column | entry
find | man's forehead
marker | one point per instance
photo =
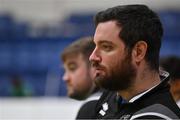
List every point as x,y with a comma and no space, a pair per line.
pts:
73,57
107,31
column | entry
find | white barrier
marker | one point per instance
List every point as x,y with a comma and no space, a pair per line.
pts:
38,108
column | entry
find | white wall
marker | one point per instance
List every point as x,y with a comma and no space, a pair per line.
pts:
38,108
44,11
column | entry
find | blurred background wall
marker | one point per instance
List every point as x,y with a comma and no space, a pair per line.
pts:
34,32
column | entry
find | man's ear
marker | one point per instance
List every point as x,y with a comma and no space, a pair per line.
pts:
139,51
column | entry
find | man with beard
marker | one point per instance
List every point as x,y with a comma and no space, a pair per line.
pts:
78,74
126,62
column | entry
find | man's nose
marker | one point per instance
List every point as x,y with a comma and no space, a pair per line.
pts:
94,56
65,77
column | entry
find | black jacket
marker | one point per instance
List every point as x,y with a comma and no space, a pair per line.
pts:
154,104
87,111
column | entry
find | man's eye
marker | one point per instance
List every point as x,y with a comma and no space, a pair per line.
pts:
72,67
106,47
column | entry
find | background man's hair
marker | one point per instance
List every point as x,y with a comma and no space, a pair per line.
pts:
84,46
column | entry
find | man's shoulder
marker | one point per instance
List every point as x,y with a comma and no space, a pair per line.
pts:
89,104
87,110
156,111
145,108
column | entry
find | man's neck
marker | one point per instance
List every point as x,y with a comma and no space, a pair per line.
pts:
142,82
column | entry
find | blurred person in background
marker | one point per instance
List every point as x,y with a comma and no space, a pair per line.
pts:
18,88
126,62
172,65
79,73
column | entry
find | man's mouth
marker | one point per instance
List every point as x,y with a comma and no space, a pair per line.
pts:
99,72
98,67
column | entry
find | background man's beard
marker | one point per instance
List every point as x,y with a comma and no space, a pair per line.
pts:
78,95
121,77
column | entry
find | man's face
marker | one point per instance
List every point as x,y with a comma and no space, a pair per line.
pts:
77,77
112,62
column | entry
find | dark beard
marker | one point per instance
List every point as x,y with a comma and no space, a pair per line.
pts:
82,94
121,77
77,96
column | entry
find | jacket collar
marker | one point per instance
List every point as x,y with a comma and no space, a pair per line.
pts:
164,76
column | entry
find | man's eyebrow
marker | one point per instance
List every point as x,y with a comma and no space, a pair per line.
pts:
71,62
105,41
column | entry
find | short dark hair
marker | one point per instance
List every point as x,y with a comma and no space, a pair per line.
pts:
84,46
172,65
138,23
